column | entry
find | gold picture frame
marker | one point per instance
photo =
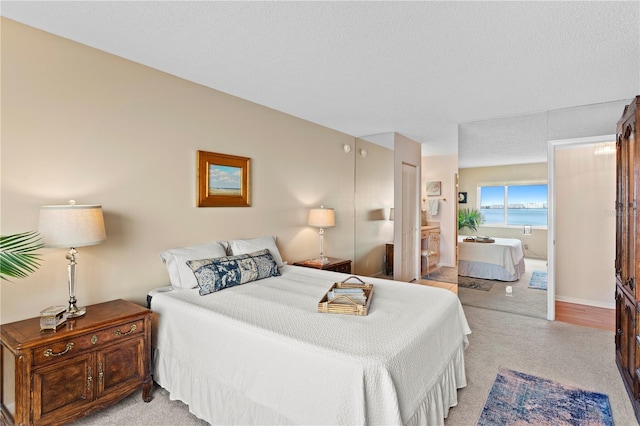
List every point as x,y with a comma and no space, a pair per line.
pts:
223,180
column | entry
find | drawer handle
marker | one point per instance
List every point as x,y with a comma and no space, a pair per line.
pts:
126,333
49,352
100,373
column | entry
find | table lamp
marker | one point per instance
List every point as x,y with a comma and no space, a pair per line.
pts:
72,226
322,218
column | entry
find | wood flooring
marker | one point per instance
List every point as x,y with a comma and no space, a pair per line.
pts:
588,316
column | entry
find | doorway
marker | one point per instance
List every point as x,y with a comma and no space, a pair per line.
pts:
581,222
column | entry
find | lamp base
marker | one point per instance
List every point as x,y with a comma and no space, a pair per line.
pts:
74,311
321,259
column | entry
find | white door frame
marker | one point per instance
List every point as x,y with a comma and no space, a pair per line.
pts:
551,209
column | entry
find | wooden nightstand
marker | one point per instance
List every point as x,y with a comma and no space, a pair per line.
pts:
90,362
335,264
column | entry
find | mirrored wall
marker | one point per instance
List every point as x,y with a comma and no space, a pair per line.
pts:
374,220
374,197
513,151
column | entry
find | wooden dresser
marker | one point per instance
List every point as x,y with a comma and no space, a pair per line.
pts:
627,263
90,362
425,231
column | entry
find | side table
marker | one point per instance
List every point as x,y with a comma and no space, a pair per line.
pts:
334,264
89,362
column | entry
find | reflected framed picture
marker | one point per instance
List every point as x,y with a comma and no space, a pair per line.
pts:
223,180
462,197
433,187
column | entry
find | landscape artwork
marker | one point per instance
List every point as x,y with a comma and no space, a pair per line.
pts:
223,180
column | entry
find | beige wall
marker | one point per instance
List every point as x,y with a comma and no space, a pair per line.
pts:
373,199
585,226
471,178
81,124
443,168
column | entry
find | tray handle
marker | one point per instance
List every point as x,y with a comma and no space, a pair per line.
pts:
352,276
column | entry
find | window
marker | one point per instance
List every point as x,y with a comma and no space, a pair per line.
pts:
524,205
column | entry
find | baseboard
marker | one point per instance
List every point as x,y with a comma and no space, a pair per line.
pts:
585,315
596,303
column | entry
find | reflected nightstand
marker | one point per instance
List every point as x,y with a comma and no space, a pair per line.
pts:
335,264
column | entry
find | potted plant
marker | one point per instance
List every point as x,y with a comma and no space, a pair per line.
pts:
18,257
469,218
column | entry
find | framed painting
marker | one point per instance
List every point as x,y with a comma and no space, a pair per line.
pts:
433,187
223,180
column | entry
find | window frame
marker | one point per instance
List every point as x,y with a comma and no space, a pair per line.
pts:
506,186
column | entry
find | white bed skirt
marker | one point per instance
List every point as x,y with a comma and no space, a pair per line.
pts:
490,271
217,403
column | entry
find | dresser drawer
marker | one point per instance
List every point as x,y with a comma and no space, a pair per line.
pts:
345,268
66,348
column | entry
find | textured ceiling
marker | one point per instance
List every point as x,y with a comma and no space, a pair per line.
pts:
365,68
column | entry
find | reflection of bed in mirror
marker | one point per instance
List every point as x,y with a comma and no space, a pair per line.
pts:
501,260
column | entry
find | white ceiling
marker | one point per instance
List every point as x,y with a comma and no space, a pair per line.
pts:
365,68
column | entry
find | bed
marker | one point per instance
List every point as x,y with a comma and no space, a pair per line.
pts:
501,260
260,353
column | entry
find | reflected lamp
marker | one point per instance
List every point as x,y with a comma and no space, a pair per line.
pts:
322,218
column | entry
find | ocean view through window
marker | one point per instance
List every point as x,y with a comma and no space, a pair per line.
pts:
524,205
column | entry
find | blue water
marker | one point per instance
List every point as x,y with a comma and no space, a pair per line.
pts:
534,217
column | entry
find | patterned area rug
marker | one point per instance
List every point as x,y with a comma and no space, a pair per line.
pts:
520,399
475,283
538,280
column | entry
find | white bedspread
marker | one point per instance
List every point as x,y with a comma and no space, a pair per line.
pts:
260,353
505,252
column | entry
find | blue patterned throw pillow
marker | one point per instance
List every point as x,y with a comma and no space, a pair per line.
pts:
224,272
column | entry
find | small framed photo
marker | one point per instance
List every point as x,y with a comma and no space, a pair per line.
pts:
223,180
462,197
433,187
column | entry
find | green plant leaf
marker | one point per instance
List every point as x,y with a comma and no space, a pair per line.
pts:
469,218
18,257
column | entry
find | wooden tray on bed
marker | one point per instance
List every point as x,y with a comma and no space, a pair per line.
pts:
348,307
479,240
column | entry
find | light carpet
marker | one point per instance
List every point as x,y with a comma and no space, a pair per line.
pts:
577,356
538,280
523,399
522,299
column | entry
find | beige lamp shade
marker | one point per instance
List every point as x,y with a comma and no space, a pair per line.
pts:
322,218
71,225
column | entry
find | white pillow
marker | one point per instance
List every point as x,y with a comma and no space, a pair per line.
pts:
180,275
256,244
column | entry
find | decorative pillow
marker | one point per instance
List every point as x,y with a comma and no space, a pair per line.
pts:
180,275
217,274
252,245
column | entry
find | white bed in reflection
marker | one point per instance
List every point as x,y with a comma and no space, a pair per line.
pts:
501,260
